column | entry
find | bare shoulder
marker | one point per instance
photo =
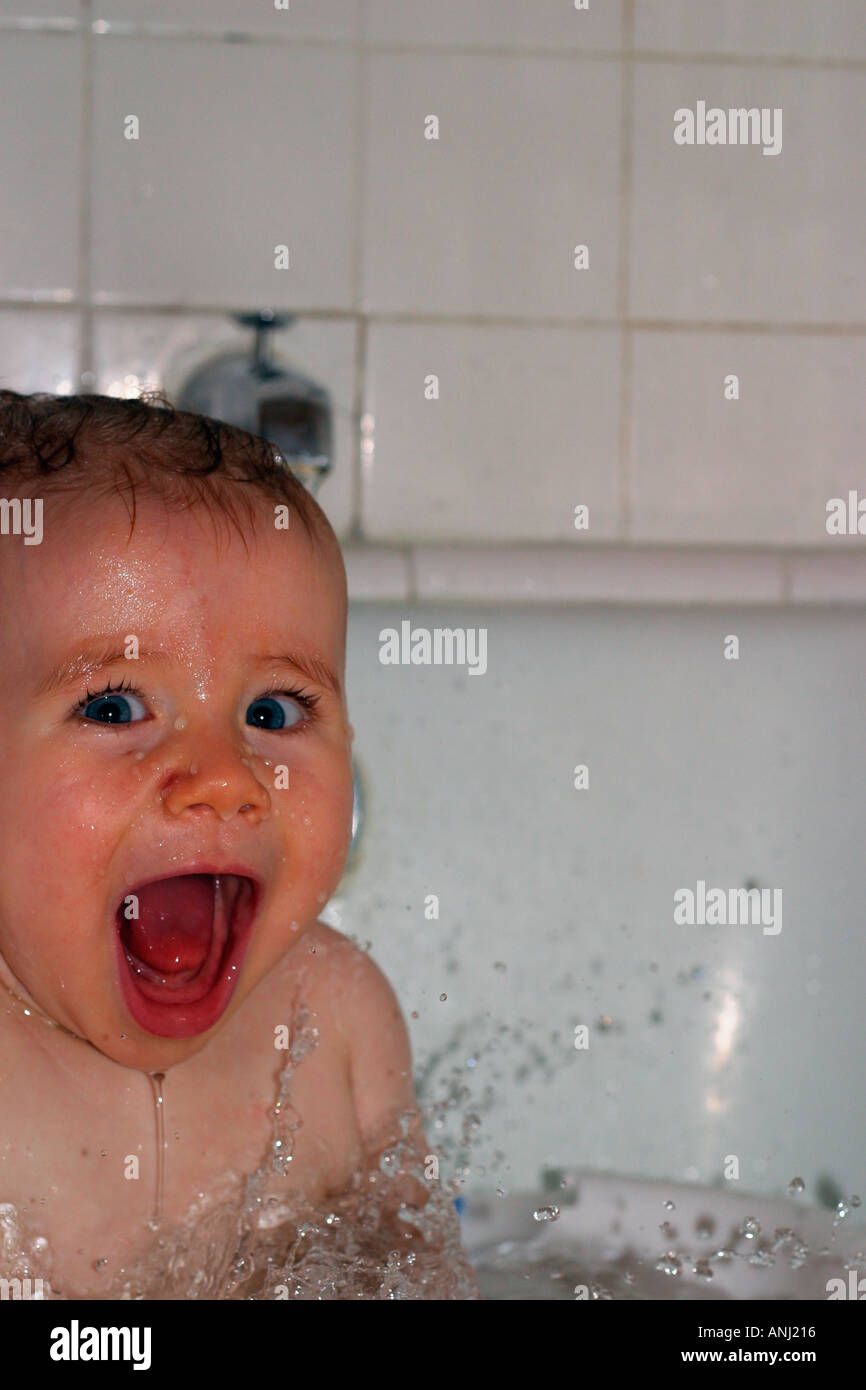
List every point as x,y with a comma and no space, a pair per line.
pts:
353,996
324,952
345,978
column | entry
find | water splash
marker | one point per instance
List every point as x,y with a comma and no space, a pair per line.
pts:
157,1079
259,1239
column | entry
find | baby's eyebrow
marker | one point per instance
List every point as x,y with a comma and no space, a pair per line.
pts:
313,667
85,659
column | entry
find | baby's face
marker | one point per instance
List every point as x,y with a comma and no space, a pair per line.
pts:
163,845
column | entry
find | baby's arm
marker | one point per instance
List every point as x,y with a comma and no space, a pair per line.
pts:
380,1072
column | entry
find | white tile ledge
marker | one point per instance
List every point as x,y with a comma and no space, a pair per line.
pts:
615,574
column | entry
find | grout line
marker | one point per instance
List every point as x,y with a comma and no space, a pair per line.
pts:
238,37
125,30
20,25
33,303
412,573
360,368
624,481
614,55
359,177
85,205
118,29
653,587
362,93
786,576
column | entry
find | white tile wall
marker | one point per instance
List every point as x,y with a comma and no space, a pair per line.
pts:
455,256
699,768
826,29
35,10
608,574
524,430
726,232
517,24
485,219
374,573
707,469
830,579
242,148
327,19
137,351
624,574
40,164
40,350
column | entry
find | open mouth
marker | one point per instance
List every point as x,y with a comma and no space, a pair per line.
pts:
181,944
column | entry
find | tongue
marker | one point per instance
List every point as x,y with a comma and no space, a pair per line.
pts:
175,923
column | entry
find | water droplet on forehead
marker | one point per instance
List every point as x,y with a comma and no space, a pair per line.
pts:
546,1213
796,1185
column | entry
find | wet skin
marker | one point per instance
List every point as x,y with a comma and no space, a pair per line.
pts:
185,784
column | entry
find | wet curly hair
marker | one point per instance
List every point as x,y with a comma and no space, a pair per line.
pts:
106,445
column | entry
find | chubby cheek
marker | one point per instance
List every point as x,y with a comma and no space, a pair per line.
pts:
70,828
53,851
314,820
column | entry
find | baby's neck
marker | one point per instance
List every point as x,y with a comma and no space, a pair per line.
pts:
15,997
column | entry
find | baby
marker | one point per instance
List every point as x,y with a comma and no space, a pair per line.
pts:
175,755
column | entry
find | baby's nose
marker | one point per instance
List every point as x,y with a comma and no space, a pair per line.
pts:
220,781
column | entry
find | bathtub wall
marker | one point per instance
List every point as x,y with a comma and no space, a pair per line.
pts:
556,904
696,385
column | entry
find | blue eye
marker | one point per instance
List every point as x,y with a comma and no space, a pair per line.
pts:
112,708
267,712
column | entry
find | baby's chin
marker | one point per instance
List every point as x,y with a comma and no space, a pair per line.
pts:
147,1019
95,1018
118,1037
105,1031
121,1041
